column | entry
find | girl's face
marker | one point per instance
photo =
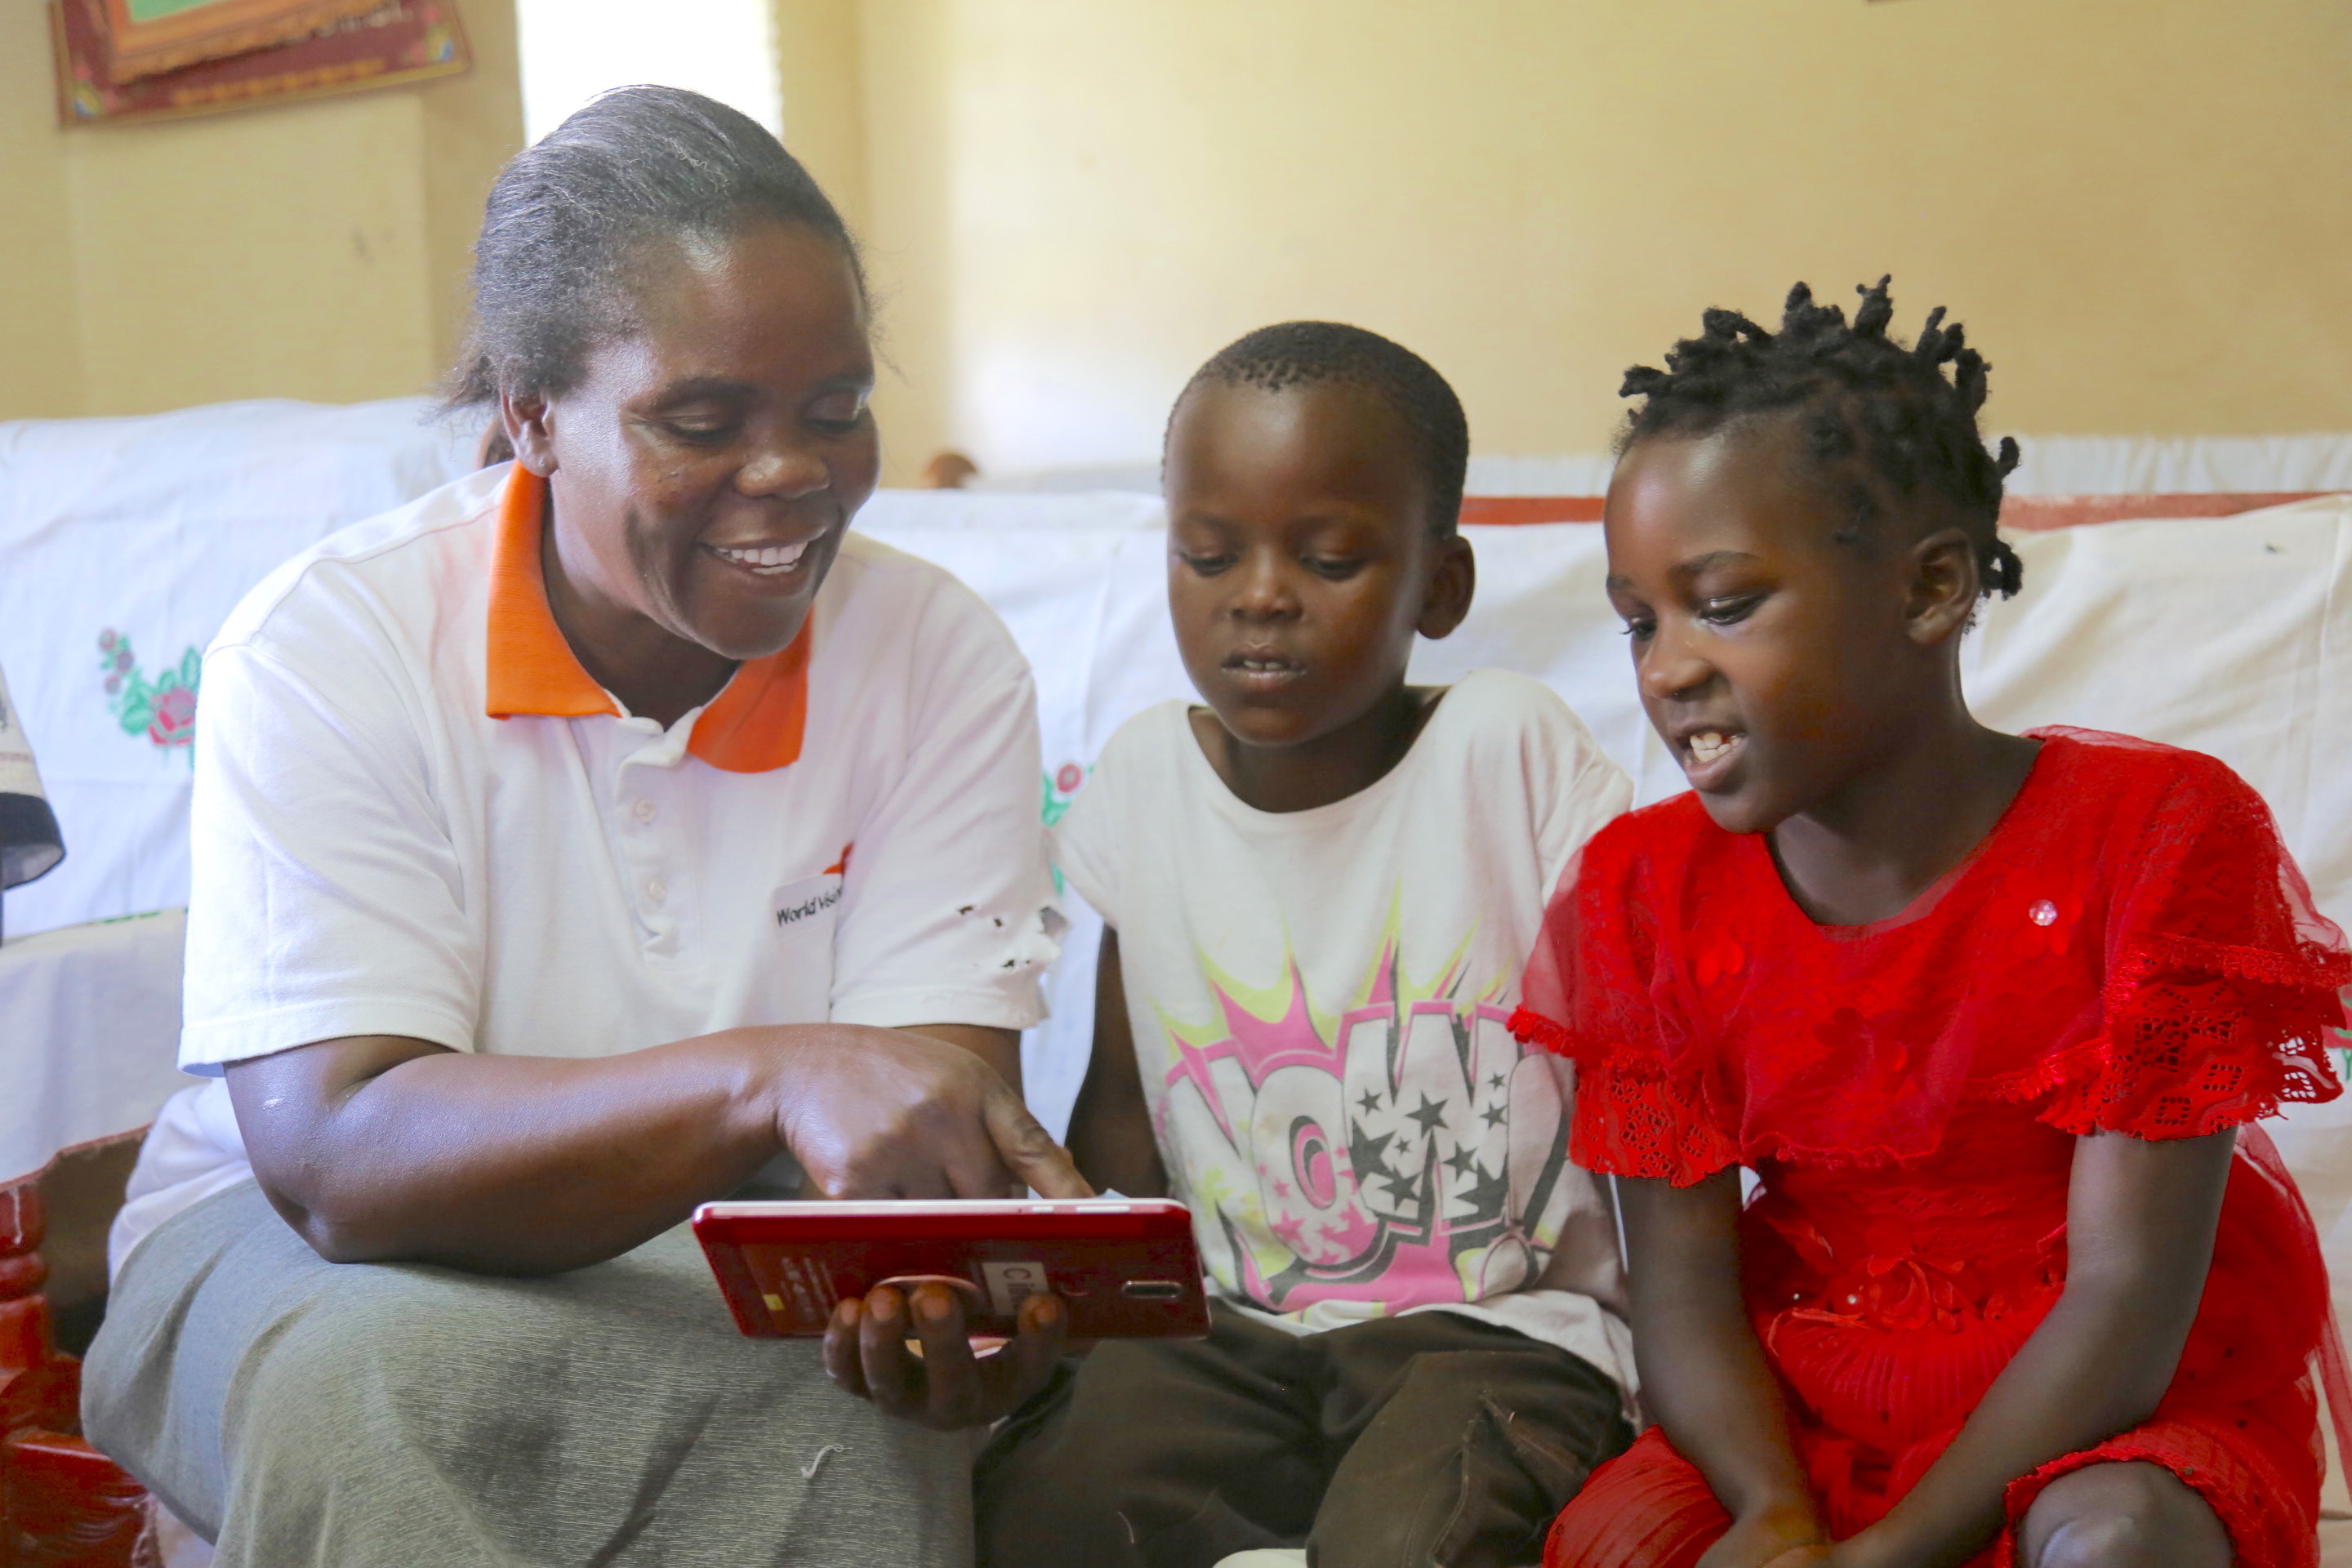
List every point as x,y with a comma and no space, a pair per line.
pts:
706,465
1777,663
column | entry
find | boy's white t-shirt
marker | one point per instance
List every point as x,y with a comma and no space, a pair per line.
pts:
1320,1001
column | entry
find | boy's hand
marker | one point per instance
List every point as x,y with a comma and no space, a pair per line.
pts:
947,1387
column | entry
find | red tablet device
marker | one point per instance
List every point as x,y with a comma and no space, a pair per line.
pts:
1125,1267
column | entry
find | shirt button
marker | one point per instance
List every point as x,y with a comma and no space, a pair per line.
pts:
644,811
657,890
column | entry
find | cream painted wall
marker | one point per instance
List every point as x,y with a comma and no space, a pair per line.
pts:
40,359
316,250
2141,208
819,66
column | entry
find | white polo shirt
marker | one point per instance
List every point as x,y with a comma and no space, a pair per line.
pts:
415,813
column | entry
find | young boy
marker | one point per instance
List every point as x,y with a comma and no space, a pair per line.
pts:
1321,888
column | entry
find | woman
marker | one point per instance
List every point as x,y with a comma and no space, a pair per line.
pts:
577,843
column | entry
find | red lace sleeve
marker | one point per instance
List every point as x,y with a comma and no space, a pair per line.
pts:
2224,983
1590,994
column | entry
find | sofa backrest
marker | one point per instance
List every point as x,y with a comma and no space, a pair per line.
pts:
124,544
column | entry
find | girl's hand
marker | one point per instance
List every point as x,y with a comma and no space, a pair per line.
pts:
1777,1538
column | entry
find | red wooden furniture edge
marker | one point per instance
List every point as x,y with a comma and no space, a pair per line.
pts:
2030,514
63,1504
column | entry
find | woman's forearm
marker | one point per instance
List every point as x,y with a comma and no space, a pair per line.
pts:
379,1148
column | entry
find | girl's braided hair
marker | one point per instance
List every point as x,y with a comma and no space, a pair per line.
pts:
1861,396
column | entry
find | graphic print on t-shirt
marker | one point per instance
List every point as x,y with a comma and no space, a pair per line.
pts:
1403,1150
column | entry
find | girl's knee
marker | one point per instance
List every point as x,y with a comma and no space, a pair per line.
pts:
2125,1515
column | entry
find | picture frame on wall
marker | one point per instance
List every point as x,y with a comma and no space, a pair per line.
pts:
387,43
145,38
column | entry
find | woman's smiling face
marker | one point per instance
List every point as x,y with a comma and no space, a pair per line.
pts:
707,463
1775,661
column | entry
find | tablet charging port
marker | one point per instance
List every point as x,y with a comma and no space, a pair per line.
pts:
1152,1291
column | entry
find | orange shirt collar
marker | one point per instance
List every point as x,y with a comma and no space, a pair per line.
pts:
755,724
531,669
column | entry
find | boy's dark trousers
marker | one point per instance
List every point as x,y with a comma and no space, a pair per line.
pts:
1427,1439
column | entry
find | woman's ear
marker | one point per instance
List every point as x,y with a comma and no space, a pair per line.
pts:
1944,587
530,424
1452,583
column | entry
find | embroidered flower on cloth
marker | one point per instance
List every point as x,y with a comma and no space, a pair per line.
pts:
164,708
1061,788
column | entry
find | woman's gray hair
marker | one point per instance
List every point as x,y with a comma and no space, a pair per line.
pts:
571,215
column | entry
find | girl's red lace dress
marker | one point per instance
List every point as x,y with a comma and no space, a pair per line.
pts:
2130,950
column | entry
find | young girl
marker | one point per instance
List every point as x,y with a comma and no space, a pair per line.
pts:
1985,1014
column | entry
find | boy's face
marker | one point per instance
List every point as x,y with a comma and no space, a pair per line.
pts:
1300,557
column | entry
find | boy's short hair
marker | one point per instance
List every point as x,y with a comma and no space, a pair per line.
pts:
1311,353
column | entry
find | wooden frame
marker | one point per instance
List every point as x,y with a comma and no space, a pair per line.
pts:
394,42
188,31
